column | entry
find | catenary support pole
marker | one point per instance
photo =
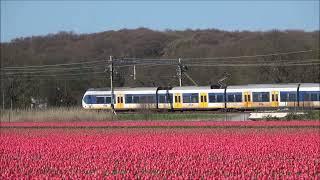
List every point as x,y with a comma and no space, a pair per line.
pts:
134,72
180,73
2,98
111,85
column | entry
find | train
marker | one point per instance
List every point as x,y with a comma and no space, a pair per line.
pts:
236,97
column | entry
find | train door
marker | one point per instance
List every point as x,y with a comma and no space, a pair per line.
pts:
203,100
119,101
274,98
177,101
247,100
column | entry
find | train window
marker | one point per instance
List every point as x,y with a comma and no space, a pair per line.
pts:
195,98
165,98
284,96
190,98
108,100
139,98
292,97
161,98
136,99
216,97
255,97
88,99
143,99
220,98
261,96
238,97
249,97
212,98
234,97
93,99
150,99
230,98
201,99
205,98
265,97
314,97
128,99
288,96
306,97
169,98
100,100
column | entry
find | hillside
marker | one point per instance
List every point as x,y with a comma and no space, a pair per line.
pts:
66,88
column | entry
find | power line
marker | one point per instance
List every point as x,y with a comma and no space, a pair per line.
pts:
145,65
97,67
122,61
238,65
252,61
227,57
60,78
257,61
306,62
45,75
252,56
52,65
55,70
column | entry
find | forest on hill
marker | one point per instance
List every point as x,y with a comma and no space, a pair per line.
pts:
64,85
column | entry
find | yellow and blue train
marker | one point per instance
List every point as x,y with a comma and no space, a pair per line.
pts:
252,96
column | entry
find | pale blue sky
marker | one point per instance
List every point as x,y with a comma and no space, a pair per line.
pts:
26,18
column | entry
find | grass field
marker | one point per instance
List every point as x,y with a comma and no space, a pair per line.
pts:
79,114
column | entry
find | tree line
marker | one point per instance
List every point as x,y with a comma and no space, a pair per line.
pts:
66,87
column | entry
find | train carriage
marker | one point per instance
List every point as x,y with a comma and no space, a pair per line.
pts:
252,96
309,95
98,98
216,99
234,97
190,97
135,98
260,96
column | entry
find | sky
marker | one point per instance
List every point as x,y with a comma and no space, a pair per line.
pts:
32,18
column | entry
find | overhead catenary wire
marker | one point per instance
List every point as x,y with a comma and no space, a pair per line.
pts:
55,70
44,75
253,56
89,68
53,65
211,63
220,58
80,78
123,60
239,65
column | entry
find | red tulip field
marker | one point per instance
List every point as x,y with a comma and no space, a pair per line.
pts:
169,153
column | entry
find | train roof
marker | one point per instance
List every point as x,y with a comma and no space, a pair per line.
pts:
310,85
191,87
125,89
263,86
248,86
